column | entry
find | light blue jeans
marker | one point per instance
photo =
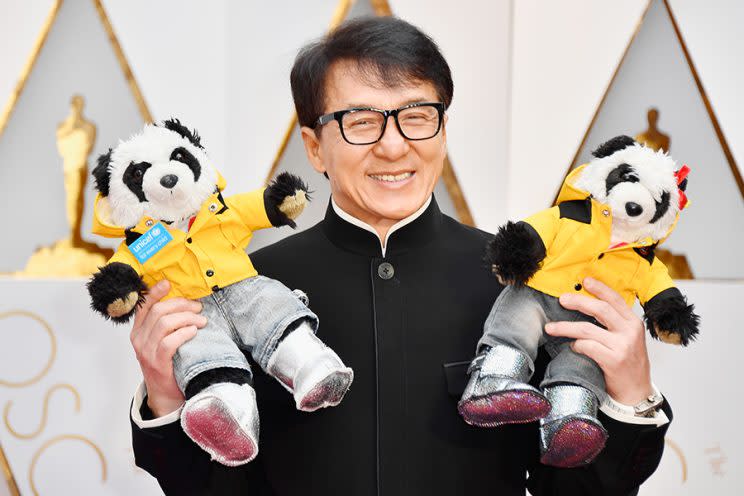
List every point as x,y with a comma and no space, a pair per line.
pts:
518,319
249,316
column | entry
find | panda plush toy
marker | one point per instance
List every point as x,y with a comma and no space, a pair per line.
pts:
160,192
610,215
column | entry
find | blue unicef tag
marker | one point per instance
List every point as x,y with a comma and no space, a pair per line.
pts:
150,243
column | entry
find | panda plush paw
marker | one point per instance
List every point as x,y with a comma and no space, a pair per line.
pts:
671,319
285,198
515,253
116,291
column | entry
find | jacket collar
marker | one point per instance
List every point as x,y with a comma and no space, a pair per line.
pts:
356,237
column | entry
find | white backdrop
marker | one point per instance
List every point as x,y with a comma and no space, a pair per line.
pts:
529,75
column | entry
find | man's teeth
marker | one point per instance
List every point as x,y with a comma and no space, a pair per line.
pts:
391,179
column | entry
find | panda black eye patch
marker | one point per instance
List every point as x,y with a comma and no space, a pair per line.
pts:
182,155
133,177
623,173
661,207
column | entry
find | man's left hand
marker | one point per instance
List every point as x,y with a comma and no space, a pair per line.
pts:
620,349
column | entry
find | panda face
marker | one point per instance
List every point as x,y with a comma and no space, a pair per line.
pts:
159,173
639,186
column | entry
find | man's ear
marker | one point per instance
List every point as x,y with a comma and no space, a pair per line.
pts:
312,148
445,118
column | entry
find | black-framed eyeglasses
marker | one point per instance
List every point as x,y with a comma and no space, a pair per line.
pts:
364,126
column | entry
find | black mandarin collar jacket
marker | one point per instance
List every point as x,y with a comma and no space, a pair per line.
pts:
407,323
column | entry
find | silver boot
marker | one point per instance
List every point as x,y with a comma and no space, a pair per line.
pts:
498,393
310,370
571,436
223,420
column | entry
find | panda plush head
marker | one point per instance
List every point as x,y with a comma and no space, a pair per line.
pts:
638,184
161,172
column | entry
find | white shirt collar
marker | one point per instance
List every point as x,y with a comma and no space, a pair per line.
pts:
383,242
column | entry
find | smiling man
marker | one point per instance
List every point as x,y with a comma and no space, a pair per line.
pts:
402,295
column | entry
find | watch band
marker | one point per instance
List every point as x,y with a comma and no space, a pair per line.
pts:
649,406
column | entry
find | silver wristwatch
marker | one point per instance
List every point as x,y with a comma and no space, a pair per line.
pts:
649,406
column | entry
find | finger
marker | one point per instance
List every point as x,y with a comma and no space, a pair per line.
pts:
154,295
606,293
170,343
167,307
602,311
594,350
581,330
167,325
174,321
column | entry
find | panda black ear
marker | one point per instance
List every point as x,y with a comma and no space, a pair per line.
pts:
101,173
614,145
175,125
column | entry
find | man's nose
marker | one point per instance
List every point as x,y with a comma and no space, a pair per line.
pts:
392,144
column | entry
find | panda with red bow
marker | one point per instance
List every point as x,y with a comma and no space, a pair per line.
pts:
610,216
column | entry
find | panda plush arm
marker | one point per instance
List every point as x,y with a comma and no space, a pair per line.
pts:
518,249
277,205
668,316
117,290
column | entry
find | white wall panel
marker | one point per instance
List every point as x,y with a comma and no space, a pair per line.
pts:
712,33
177,51
20,25
564,56
263,40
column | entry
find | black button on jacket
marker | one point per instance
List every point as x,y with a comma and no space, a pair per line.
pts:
407,323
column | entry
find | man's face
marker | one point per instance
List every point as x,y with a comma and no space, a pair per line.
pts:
387,181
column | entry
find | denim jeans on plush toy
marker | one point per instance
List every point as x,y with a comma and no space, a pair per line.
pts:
518,319
248,316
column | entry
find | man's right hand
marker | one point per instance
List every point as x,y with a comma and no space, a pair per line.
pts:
160,327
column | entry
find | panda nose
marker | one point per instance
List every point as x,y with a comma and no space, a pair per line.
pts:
633,209
169,181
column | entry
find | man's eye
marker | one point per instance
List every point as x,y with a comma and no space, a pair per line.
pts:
361,123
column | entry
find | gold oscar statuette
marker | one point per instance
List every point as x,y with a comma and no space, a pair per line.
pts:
71,256
652,137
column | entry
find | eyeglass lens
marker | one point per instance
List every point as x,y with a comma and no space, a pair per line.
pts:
365,126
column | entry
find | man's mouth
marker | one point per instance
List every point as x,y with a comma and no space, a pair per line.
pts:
392,178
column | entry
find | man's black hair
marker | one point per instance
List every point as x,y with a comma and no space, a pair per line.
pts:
387,51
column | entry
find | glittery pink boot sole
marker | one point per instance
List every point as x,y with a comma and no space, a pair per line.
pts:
504,407
227,430
572,441
328,392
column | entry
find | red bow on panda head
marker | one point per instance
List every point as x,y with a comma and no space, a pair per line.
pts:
681,176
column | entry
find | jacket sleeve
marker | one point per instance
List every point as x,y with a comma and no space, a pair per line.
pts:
251,208
631,455
546,224
123,255
656,280
182,468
